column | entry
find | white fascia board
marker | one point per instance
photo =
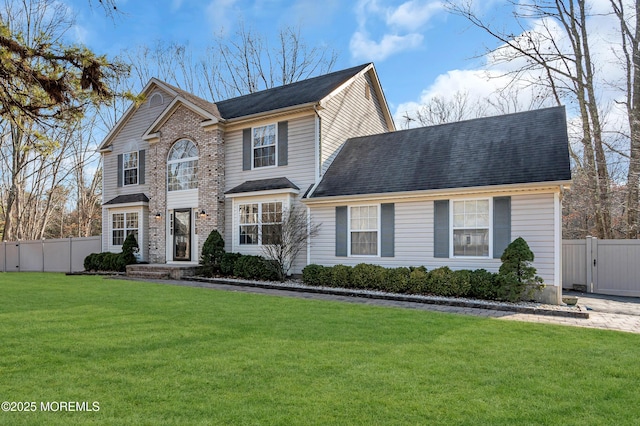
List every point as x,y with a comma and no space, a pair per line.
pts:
262,193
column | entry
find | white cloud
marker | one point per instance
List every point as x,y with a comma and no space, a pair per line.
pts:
413,14
397,28
363,48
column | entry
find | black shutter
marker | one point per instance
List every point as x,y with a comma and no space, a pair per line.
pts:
387,230
501,225
441,228
120,168
341,231
283,143
246,149
141,166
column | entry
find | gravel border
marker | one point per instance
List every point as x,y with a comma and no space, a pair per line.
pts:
294,285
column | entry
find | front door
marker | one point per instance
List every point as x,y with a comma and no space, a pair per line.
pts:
182,234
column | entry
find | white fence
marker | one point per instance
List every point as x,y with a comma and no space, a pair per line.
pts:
61,255
602,266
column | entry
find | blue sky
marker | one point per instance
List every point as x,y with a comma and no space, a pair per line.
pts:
412,42
419,49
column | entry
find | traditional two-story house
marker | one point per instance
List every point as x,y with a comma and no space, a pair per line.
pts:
177,167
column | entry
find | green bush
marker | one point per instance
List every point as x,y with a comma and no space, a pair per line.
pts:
228,262
212,253
253,267
367,276
106,261
517,278
341,276
438,281
397,280
129,249
459,283
483,285
418,280
316,275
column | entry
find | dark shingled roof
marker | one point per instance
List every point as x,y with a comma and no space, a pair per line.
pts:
517,148
129,198
298,93
263,185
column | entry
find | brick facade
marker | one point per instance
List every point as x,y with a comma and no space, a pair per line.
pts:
185,124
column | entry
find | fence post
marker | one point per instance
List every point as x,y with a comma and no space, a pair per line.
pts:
587,264
594,265
70,255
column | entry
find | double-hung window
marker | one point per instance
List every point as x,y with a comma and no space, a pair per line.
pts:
264,146
123,224
471,223
260,223
130,168
363,230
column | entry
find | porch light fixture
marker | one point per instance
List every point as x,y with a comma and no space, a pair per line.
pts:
203,214
158,216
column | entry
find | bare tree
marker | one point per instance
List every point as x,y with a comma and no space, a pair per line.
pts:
566,71
295,231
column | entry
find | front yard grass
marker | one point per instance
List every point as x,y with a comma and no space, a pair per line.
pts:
161,354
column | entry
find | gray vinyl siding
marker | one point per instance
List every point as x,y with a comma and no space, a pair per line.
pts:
532,219
299,170
130,139
349,114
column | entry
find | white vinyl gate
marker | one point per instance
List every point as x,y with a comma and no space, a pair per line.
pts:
602,266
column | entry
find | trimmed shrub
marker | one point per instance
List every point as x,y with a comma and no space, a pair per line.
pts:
212,253
418,280
341,276
129,249
253,267
313,275
438,281
483,285
397,280
228,262
516,277
366,276
459,283
105,261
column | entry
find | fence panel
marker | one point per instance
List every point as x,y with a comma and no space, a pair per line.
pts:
81,249
56,255
63,255
31,256
574,263
602,266
618,267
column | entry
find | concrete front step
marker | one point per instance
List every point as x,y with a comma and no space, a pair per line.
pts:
161,271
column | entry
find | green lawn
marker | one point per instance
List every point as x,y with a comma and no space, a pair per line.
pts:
160,354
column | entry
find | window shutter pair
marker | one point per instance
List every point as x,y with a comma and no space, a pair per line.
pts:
387,230
501,227
283,145
141,168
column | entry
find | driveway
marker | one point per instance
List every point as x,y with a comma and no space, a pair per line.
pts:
609,304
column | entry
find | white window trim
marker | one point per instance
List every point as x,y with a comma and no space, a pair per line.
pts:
137,168
378,233
451,227
253,148
125,229
181,160
285,199
284,205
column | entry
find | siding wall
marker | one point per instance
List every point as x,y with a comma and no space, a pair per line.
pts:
129,138
414,236
349,114
299,170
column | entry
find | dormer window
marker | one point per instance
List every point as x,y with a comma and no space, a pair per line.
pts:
130,168
264,146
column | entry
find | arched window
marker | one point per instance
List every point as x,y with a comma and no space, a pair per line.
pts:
182,166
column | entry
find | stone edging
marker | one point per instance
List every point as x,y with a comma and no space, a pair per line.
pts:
399,297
